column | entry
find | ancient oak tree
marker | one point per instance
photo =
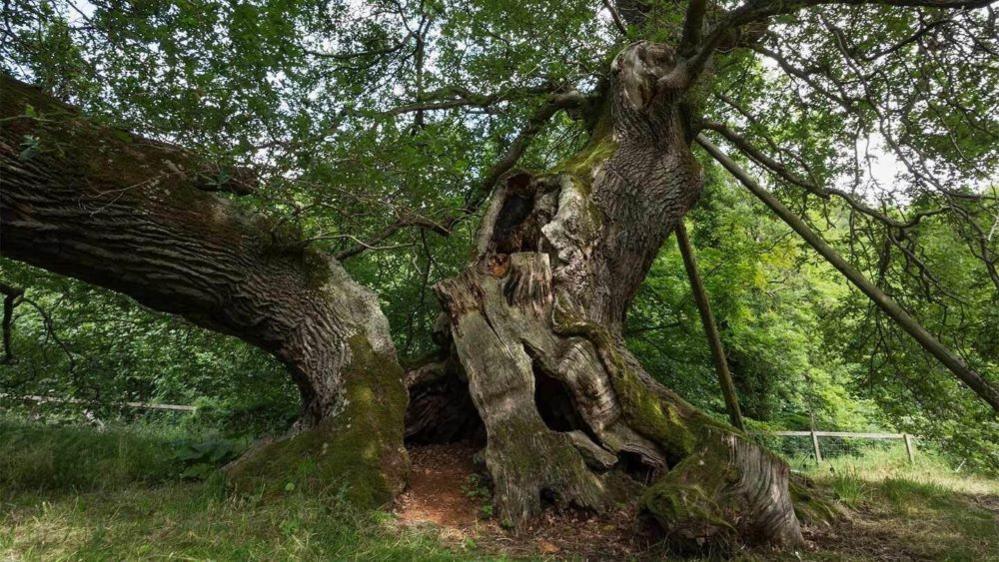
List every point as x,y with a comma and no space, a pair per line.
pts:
532,351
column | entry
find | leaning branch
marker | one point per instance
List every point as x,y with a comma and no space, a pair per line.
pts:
985,390
780,170
616,17
710,328
762,10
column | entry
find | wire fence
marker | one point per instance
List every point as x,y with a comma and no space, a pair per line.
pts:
819,445
76,401
824,445
95,413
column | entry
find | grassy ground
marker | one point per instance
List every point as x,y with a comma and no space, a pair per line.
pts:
903,511
76,494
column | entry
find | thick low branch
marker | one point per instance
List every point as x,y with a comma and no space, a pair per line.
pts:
756,10
982,387
126,213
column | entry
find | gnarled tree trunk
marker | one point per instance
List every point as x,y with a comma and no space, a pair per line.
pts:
536,322
134,216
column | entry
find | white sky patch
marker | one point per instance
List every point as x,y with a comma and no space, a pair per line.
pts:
881,167
880,171
83,10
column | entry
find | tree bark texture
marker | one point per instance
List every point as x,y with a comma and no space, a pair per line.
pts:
536,321
134,215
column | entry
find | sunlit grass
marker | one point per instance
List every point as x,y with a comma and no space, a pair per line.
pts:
80,494
194,521
878,464
920,510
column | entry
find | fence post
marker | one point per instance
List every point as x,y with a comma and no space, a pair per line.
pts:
815,445
908,447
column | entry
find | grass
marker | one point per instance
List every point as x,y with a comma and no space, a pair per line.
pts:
883,463
194,521
907,511
79,494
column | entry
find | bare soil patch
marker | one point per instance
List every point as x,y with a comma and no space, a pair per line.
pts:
441,494
442,497
437,488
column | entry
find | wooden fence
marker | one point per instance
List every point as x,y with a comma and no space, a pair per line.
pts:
909,450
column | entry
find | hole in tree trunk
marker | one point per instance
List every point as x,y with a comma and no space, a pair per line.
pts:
548,498
518,226
635,466
554,403
442,411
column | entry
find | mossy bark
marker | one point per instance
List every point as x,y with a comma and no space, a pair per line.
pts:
356,453
136,216
559,258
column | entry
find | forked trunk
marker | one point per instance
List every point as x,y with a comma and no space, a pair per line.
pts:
536,320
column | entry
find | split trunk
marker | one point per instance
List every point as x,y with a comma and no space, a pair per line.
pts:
536,321
534,324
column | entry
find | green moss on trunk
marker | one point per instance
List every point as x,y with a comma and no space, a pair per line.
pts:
358,452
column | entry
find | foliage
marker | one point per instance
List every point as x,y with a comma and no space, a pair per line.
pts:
102,348
477,489
52,457
201,458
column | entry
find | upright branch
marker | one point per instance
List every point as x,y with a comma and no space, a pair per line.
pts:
10,296
693,25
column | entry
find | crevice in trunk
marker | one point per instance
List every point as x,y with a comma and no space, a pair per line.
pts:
442,412
523,206
637,467
572,416
549,498
440,409
554,402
